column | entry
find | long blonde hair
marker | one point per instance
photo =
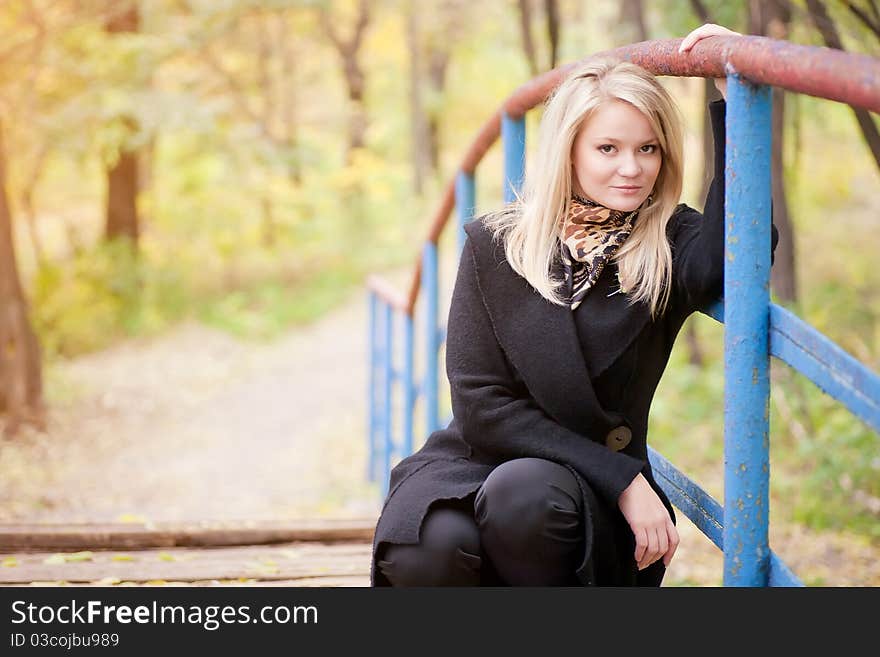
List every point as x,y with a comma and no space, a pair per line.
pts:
529,226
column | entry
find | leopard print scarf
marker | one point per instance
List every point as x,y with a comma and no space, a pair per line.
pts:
591,234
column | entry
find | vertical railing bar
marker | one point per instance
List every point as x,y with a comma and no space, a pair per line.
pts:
386,413
408,389
430,285
372,418
746,334
465,201
513,137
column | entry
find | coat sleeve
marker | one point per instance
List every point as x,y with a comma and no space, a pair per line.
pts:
493,409
698,238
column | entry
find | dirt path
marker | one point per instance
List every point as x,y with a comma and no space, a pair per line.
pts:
200,425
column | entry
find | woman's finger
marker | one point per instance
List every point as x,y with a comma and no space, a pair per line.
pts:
692,37
651,553
672,532
662,542
706,30
641,544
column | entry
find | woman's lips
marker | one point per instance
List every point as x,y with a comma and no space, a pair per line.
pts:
627,190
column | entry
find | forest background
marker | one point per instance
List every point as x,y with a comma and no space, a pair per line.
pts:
244,164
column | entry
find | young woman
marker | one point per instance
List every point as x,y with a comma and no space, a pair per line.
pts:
564,313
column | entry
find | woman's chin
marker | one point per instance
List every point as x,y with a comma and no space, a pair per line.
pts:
624,206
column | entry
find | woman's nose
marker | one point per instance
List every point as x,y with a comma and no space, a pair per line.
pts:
629,167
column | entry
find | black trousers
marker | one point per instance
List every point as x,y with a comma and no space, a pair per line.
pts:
523,527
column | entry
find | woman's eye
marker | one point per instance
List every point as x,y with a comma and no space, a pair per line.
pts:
652,148
603,148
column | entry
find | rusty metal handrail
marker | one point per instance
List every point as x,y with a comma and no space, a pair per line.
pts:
825,73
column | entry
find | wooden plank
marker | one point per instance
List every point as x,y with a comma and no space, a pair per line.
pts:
82,536
362,581
284,562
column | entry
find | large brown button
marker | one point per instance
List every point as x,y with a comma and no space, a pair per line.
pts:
618,438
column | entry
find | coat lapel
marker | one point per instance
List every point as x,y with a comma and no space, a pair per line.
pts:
608,322
541,341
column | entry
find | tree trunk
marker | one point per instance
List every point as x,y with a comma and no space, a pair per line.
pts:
438,64
695,351
21,384
525,29
419,141
872,20
782,275
772,19
700,10
440,42
122,185
551,7
828,29
122,177
354,75
632,17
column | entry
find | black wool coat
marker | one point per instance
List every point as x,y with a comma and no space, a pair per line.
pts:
529,378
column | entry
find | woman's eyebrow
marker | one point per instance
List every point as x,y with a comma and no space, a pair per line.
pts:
649,141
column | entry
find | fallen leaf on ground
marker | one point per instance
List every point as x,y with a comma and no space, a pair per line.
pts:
132,518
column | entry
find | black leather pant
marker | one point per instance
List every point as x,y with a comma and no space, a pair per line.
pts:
523,527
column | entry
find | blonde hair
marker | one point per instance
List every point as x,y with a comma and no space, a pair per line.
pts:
528,227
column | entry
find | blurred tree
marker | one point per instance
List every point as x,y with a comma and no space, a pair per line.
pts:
830,35
21,385
442,35
525,26
551,13
430,48
349,51
632,19
772,18
419,137
122,173
710,93
869,15
254,54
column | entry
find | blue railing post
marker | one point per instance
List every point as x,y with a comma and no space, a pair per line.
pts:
372,416
432,336
513,138
408,389
465,202
746,320
387,380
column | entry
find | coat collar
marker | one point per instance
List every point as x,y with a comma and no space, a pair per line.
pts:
541,339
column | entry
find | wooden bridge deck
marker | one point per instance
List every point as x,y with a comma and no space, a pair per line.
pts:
325,552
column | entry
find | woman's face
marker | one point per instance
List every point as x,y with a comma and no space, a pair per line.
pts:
616,157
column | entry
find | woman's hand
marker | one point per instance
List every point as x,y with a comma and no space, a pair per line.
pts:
708,30
655,533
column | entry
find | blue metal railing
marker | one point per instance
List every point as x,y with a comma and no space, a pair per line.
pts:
755,329
746,359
